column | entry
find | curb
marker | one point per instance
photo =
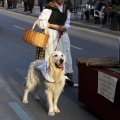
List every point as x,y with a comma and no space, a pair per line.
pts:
95,28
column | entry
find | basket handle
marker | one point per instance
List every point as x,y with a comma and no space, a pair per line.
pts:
35,24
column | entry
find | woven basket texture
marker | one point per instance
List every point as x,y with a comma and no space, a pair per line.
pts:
105,62
39,39
35,38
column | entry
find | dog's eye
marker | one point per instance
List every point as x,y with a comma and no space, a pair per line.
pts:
56,55
62,55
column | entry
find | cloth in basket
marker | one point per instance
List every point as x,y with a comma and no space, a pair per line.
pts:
32,37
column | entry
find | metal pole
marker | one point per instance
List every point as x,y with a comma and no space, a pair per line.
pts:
119,51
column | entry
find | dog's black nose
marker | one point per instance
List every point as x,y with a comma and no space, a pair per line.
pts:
61,60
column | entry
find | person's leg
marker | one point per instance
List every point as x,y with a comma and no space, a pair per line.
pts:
25,6
104,20
14,3
87,14
8,2
2,3
64,47
40,53
30,8
11,4
41,8
92,13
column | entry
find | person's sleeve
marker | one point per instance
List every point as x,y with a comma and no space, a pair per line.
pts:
67,23
43,18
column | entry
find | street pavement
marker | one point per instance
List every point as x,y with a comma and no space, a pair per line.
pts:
75,20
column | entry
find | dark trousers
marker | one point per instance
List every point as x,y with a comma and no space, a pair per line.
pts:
41,8
104,20
14,3
2,3
25,6
30,8
9,4
87,14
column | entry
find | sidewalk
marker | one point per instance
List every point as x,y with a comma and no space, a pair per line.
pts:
74,21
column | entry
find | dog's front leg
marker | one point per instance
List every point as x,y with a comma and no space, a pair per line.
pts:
25,97
56,97
50,102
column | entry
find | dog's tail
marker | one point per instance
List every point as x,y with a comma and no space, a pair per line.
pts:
31,72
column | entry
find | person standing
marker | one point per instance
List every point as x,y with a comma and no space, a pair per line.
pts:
55,20
41,5
90,10
31,5
9,2
105,13
14,3
25,5
2,2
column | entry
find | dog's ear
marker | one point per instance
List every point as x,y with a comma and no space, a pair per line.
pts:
50,61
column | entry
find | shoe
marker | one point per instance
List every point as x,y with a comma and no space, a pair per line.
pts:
24,11
69,82
75,85
69,79
70,76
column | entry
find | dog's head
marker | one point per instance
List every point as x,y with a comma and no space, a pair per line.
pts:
57,59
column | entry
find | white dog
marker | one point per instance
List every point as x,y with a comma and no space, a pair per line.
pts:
56,72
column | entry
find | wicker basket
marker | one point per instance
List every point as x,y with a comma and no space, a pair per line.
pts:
35,38
105,62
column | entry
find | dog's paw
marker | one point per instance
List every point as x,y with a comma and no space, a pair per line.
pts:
25,102
56,110
51,113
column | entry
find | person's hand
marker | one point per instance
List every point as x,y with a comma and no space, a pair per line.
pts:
57,27
63,28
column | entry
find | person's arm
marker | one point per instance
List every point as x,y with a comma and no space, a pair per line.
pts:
43,18
67,23
43,21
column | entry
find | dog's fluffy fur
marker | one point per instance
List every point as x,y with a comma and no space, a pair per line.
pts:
56,66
